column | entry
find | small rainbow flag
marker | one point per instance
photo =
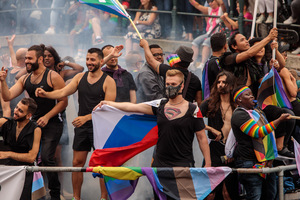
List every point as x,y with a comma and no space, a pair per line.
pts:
173,59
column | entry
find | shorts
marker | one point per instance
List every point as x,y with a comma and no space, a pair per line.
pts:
83,139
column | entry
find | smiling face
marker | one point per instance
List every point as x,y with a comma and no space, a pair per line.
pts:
49,61
31,61
242,43
20,112
93,62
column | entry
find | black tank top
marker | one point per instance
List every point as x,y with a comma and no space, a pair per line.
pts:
44,104
89,95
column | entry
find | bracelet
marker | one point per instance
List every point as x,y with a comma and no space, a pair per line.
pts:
66,62
137,22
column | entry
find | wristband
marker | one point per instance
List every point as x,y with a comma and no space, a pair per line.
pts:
66,62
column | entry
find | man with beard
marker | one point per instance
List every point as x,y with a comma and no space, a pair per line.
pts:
23,138
150,85
93,86
47,114
218,109
125,84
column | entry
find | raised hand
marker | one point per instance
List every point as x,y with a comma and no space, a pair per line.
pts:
3,74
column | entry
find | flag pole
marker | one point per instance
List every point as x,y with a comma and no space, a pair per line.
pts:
274,26
254,19
137,31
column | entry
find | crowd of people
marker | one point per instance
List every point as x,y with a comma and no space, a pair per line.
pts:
36,83
82,21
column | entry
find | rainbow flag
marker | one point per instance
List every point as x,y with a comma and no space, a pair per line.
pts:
118,135
205,83
176,182
271,92
173,59
111,6
264,148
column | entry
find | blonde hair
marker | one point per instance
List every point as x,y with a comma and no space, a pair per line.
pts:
175,72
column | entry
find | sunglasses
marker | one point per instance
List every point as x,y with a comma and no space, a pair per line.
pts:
158,54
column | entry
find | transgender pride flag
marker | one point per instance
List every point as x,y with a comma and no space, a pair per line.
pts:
118,135
176,182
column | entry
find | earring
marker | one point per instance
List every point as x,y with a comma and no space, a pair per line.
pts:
240,100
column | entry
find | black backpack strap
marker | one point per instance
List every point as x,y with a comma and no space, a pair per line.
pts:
186,85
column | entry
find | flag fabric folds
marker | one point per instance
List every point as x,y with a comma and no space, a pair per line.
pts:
297,154
12,180
271,91
205,83
176,182
120,135
38,189
110,6
264,148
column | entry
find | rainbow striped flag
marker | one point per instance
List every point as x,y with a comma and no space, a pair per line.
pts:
111,6
173,59
264,148
176,182
271,92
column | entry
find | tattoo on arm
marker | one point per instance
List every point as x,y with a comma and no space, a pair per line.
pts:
172,113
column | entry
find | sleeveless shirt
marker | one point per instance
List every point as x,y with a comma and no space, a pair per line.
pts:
44,105
89,95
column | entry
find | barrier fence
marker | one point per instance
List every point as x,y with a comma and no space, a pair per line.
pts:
280,170
18,11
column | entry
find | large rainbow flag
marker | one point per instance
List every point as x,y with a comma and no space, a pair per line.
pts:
264,148
118,135
111,6
176,182
271,91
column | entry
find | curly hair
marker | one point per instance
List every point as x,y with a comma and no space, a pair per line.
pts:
215,99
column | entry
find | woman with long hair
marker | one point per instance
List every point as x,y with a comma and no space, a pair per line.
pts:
146,22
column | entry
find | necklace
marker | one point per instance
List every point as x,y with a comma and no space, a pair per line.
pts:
176,103
224,113
38,76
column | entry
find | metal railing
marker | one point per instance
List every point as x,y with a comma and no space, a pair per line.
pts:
18,11
280,170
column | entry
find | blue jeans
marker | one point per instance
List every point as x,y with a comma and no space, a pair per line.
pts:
165,20
184,20
202,40
257,187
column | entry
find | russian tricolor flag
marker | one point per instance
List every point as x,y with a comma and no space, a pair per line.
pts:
118,135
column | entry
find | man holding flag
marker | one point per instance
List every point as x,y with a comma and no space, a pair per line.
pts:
178,120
